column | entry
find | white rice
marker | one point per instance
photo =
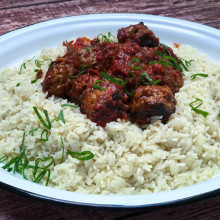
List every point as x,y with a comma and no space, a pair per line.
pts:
128,160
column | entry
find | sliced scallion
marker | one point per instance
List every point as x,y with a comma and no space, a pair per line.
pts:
3,158
31,132
131,64
96,86
62,148
198,74
69,105
46,125
115,80
195,108
68,46
146,76
84,155
126,91
44,135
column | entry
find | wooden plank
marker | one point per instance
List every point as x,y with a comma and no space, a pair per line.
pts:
206,11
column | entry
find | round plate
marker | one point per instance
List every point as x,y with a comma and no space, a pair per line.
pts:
28,41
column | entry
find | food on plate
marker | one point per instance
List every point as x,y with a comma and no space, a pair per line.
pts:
106,117
103,76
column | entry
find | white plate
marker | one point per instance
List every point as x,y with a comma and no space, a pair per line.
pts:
28,41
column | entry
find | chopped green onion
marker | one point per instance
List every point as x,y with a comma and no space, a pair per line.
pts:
145,75
195,108
126,91
3,158
135,60
41,175
69,105
198,74
105,37
160,53
84,155
81,71
117,81
43,166
46,125
35,80
24,65
68,46
87,49
199,101
31,132
219,114
38,62
95,86
42,135
62,149
165,46
132,32
184,66
61,117
18,84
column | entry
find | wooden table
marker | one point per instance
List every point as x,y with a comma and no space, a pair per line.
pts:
18,13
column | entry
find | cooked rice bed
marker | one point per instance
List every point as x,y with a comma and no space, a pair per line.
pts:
128,160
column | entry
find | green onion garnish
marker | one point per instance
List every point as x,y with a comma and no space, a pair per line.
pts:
18,84
126,91
38,62
106,37
81,71
62,148
135,60
145,75
21,163
68,46
45,164
41,175
198,74
44,132
160,53
117,81
69,105
87,49
61,117
195,108
46,125
35,80
3,158
219,114
95,86
84,155
24,65
31,132
132,32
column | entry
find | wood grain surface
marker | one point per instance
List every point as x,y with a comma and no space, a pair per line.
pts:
19,13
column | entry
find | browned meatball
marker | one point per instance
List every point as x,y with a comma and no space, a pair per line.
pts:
168,75
105,106
152,101
79,85
139,34
57,75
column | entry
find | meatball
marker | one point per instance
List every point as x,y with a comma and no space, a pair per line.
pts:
169,76
105,106
79,85
57,75
139,34
152,101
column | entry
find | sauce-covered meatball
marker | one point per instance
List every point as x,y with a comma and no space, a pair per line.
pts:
151,101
